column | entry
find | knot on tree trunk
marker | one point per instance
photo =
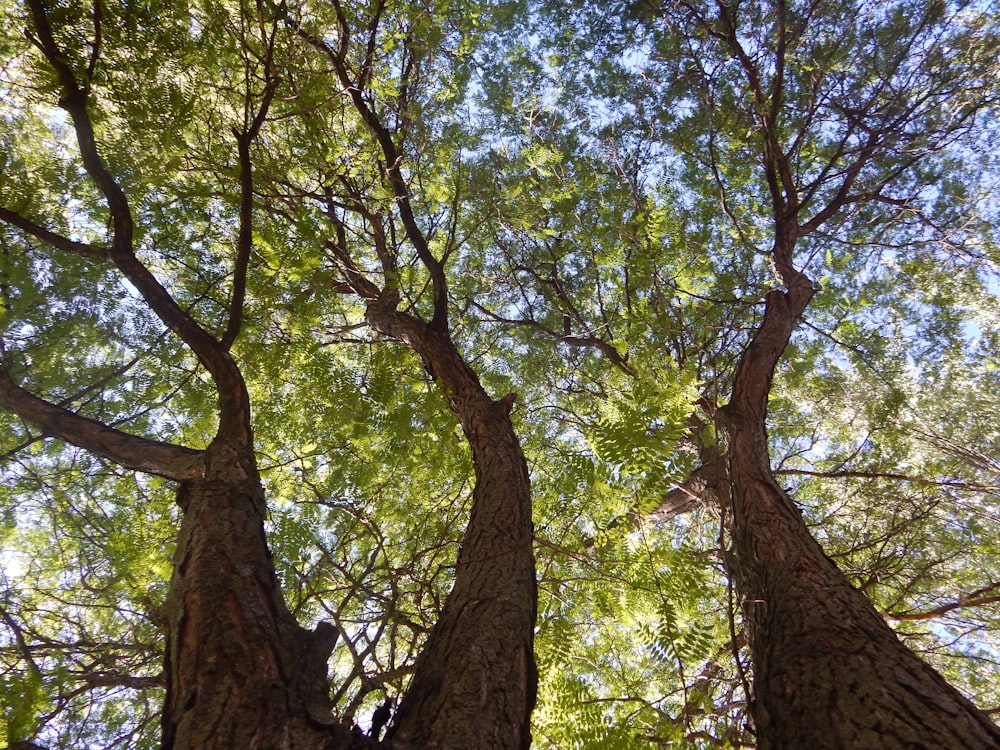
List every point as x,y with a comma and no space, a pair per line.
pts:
319,644
507,403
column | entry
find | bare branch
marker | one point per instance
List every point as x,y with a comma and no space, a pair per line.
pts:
115,679
141,454
52,238
977,598
593,342
922,481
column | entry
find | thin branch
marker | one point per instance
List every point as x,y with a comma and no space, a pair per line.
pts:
922,481
95,48
976,599
21,642
368,66
244,243
784,193
592,342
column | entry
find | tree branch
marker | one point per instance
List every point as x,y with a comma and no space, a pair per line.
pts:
593,342
392,159
856,474
116,679
234,406
133,452
976,599
244,243
52,238
700,488
780,181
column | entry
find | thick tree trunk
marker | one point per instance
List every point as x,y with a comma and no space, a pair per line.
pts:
828,671
240,671
474,682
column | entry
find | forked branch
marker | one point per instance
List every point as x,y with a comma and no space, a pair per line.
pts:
354,87
234,408
244,139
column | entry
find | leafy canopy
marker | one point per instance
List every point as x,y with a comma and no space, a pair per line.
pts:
592,178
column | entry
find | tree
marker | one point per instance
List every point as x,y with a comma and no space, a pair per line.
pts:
239,671
353,232
763,102
817,644
486,627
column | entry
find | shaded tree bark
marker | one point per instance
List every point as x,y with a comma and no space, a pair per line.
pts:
828,670
240,671
475,681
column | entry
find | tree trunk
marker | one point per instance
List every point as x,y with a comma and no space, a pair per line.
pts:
475,680
474,684
828,671
240,671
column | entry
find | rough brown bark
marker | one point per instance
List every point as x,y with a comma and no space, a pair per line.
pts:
701,487
828,671
241,673
474,682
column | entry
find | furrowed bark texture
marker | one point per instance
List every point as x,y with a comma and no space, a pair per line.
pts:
474,682
241,673
828,671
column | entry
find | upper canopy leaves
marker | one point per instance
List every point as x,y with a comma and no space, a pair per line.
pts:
596,189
